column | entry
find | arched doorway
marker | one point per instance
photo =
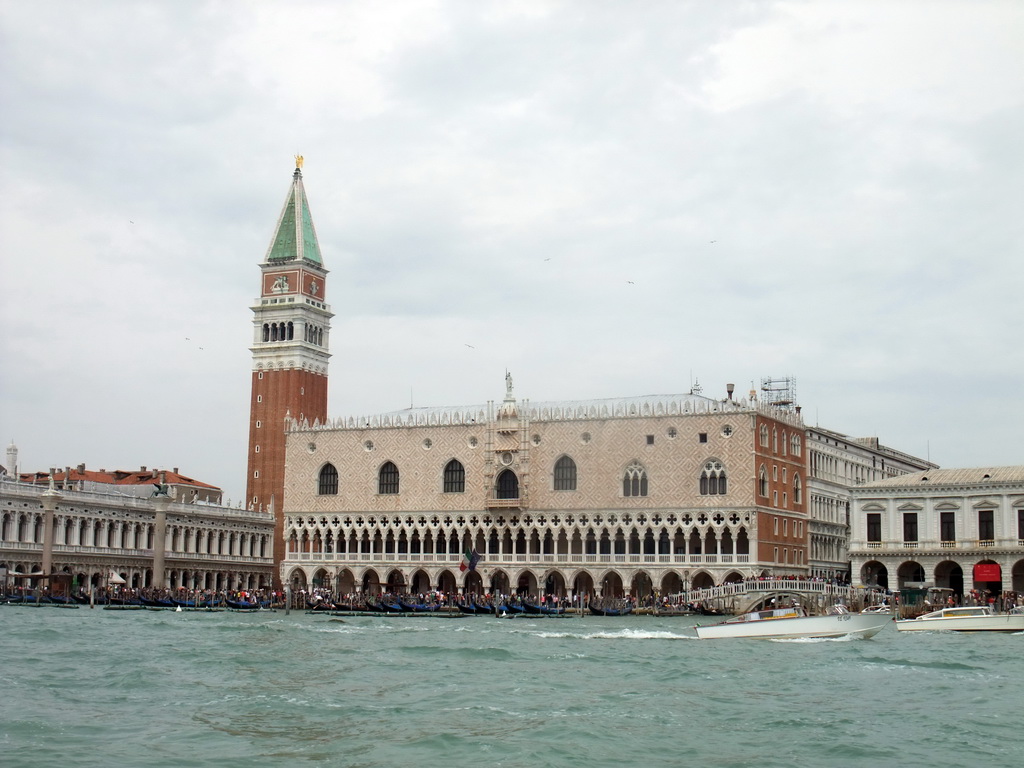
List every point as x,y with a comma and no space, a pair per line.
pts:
420,582
611,585
500,583
583,584
473,583
910,574
554,584
297,579
446,582
1017,577
346,582
396,582
321,579
949,575
642,586
371,583
874,575
671,584
988,577
733,577
702,580
526,584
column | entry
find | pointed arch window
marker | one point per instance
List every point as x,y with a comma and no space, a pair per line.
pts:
565,474
507,485
712,479
634,481
764,436
454,477
798,489
762,482
387,479
328,482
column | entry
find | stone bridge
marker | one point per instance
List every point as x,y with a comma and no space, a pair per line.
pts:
742,596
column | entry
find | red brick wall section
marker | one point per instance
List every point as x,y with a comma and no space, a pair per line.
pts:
780,462
304,394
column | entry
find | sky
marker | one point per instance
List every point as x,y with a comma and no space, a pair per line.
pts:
605,199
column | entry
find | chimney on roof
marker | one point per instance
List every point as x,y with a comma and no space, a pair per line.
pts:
729,389
142,468
81,467
175,470
153,472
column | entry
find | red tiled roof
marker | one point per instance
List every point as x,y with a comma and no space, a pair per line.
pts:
117,477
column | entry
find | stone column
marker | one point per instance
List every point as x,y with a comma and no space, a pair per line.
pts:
160,540
50,499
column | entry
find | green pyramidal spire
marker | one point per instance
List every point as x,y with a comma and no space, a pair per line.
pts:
295,237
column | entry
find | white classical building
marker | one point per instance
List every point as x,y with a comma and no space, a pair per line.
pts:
94,534
959,529
837,464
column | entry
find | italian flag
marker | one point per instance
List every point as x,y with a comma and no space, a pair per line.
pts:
469,560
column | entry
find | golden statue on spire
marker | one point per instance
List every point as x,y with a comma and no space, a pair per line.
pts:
298,161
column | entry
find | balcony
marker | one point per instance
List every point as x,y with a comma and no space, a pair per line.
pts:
504,504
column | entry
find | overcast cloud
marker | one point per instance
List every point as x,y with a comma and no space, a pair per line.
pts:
606,199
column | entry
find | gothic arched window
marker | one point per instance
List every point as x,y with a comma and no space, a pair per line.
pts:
762,482
454,477
328,484
507,486
712,478
634,481
565,474
387,478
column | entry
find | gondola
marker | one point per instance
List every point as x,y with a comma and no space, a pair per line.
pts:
596,611
161,603
416,607
242,605
542,610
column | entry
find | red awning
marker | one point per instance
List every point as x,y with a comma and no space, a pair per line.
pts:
987,572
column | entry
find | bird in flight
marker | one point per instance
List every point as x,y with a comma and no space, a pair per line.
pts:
471,346
631,282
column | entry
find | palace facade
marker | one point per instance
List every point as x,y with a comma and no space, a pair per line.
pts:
958,529
631,495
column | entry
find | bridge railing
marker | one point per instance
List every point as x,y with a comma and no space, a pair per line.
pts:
769,585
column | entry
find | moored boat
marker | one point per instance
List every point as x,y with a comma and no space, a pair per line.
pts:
795,622
602,611
542,610
968,618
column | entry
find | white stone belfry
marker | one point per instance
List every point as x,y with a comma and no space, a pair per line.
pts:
12,459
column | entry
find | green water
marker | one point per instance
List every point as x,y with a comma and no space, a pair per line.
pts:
102,688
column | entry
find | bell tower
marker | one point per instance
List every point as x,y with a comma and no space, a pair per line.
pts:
291,330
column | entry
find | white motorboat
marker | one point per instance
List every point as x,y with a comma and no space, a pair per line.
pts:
969,618
781,623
